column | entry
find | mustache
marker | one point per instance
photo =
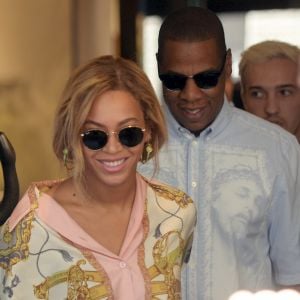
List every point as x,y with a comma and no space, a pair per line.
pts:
275,120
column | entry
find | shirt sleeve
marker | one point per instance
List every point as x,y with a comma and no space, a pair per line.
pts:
284,230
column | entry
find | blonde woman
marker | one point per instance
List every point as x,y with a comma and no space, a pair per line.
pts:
104,232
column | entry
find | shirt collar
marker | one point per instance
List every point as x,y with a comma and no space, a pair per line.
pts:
66,226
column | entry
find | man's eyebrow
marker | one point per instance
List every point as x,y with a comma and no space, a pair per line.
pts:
288,85
258,87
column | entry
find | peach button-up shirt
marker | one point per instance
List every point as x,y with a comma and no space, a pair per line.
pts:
65,262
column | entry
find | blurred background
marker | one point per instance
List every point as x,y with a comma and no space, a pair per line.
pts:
42,41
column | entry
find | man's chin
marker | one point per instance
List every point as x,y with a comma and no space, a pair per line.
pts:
194,128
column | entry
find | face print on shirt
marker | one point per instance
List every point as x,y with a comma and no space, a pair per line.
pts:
238,204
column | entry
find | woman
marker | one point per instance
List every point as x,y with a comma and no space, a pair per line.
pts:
105,232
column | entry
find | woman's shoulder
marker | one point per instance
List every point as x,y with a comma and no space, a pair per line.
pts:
29,201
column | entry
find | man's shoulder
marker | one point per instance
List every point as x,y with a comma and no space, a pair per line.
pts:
164,172
251,125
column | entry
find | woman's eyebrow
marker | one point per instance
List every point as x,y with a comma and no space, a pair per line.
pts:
123,122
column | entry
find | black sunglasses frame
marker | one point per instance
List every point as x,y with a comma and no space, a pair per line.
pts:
96,139
204,80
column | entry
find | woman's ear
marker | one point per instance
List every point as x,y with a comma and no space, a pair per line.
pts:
148,135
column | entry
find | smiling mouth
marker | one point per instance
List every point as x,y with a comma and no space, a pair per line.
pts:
278,122
193,114
192,111
113,164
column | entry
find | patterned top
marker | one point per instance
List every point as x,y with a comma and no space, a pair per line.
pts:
244,175
44,254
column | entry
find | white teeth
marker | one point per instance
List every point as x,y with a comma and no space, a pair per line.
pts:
113,163
193,111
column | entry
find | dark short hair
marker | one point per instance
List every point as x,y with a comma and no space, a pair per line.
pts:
191,24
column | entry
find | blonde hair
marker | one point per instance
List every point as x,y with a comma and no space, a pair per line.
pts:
265,51
90,80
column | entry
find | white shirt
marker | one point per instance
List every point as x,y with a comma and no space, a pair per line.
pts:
244,176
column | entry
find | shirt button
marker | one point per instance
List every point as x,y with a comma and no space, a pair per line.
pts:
194,183
122,264
195,143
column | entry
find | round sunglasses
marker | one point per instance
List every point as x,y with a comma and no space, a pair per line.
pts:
204,80
96,139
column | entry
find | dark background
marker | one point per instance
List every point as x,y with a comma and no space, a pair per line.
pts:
130,8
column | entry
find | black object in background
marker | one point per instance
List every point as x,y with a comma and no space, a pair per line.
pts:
11,183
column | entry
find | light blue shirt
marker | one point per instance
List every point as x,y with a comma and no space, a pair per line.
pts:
244,176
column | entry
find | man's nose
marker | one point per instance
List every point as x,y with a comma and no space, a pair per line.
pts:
272,105
191,91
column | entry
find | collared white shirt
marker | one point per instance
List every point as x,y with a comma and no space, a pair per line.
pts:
244,176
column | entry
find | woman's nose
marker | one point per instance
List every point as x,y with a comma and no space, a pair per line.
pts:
113,143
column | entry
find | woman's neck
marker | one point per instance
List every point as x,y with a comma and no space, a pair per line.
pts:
121,196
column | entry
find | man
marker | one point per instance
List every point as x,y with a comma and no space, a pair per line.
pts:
269,73
242,172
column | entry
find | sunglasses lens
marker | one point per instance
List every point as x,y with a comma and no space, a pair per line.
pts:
131,136
94,139
173,82
207,80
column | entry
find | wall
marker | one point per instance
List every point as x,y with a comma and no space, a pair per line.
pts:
96,29
35,60
41,42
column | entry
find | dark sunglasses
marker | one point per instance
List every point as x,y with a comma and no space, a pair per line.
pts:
96,139
204,80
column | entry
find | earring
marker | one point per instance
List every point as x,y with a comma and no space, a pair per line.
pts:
65,157
148,149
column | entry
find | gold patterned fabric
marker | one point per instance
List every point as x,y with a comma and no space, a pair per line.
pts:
37,262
